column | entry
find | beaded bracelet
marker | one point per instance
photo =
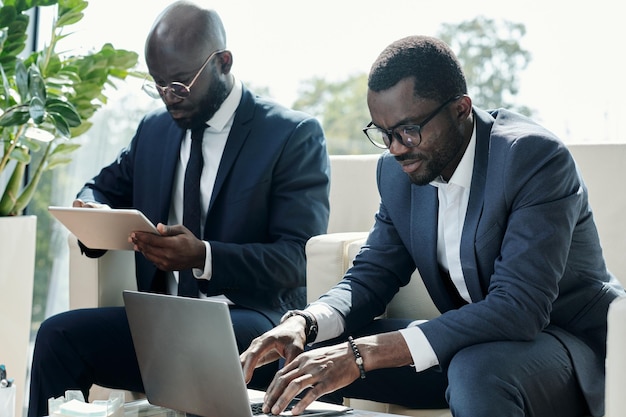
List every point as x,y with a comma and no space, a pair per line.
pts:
357,356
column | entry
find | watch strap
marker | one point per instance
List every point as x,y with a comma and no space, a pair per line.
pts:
310,330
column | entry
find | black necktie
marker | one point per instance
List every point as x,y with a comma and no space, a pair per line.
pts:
192,209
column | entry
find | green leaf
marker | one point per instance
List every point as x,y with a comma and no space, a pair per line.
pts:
8,63
84,127
36,85
5,87
21,155
60,124
3,37
65,110
57,161
7,15
53,66
14,44
44,2
21,80
69,19
36,110
15,116
30,145
72,5
19,24
65,148
69,73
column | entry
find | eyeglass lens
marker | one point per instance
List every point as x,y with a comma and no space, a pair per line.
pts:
177,89
157,91
408,136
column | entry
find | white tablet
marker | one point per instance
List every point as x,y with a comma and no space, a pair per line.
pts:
99,228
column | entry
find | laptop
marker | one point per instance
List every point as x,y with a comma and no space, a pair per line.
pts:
188,357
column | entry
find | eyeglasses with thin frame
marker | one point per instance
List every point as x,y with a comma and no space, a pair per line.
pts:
177,88
409,136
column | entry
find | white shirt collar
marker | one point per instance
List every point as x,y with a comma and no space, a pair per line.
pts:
227,110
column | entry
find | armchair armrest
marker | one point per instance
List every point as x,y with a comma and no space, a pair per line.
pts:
330,255
99,282
616,359
327,259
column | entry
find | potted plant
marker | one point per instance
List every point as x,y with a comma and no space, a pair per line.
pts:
46,99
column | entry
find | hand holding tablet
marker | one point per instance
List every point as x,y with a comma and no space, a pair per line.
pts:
103,228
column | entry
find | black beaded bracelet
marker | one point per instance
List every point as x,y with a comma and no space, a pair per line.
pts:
357,356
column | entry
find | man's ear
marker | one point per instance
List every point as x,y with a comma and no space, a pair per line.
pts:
225,60
463,107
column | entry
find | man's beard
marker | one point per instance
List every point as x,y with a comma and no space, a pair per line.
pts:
207,107
436,162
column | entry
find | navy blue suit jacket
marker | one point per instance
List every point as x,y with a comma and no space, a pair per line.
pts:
269,198
530,252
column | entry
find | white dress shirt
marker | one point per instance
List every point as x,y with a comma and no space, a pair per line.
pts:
453,198
213,143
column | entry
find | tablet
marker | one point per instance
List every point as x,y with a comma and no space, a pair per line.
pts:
102,228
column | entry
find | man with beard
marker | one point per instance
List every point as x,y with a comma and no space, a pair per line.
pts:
491,210
263,192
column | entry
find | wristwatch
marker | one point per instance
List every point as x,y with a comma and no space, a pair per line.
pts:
310,330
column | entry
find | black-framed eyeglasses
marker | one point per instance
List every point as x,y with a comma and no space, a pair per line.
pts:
408,135
177,88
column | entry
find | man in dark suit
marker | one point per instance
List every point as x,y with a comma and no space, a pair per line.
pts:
492,211
264,192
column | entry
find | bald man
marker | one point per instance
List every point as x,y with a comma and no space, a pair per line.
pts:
264,181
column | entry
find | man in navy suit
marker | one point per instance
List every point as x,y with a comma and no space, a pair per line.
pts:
264,193
492,211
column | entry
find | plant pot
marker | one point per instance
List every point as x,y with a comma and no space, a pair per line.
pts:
17,274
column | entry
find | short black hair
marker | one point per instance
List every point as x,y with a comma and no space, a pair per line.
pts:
436,70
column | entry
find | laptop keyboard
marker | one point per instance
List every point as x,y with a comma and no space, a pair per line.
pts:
257,408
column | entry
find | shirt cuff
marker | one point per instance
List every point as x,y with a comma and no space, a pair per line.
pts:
422,352
330,323
207,273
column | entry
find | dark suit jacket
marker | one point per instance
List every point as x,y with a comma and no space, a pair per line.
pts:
269,198
530,252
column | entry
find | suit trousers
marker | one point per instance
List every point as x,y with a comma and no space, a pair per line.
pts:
505,378
79,348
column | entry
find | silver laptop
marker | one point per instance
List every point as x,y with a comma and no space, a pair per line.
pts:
188,357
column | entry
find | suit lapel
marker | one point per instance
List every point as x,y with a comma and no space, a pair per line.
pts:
475,207
236,138
171,153
424,214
